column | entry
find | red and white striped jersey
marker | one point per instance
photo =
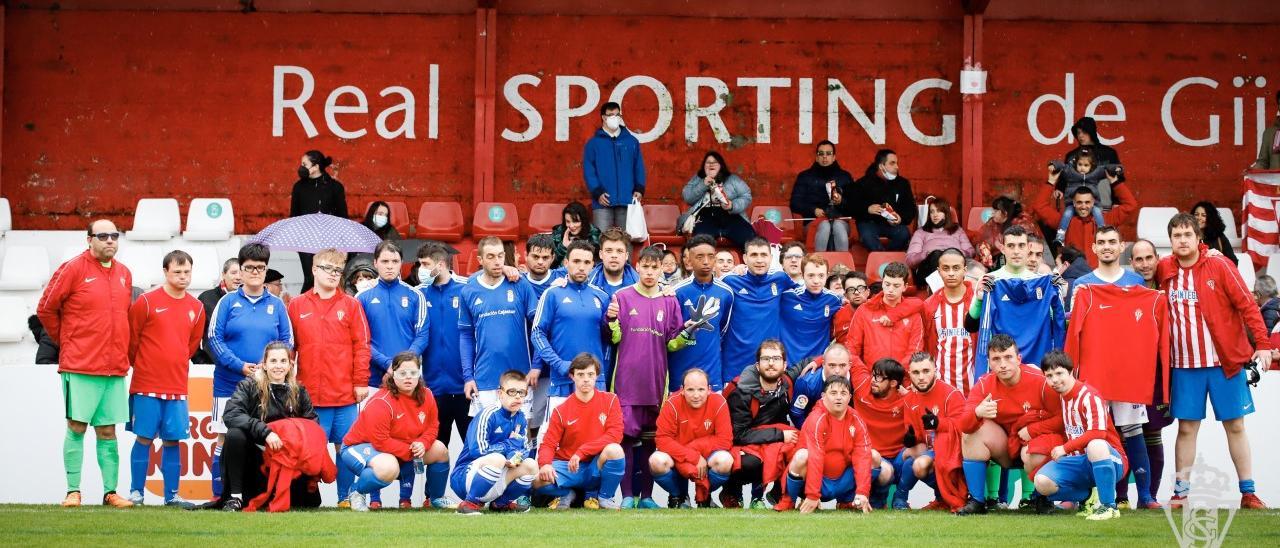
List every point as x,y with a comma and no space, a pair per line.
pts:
1191,345
1086,417
947,340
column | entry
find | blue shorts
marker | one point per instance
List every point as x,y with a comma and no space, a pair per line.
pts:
587,478
1074,475
842,489
356,457
461,477
1188,387
152,418
336,421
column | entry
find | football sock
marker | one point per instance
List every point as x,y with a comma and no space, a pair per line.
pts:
643,478
519,488
482,483
407,478
73,458
932,481
795,487
992,490
975,475
668,482
1246,487
345,478
109,463
1181,487
610,476
629,457
170,469
1002,492
906,479
1028,487
139,458
1104,477
368,482
1155,456
216,470
716,479
437,480
1135,447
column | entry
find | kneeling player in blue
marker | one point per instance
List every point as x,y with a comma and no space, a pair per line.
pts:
581,448
399,424
493,467
835,460
1092,456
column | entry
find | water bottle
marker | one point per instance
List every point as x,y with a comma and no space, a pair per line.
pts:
419,467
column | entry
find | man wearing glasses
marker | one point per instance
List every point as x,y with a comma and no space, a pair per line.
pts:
85,310
792,256
856,292
763,439
494,467
819,194
333,352
242,324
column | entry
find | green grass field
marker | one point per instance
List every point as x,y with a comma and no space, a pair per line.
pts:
50,525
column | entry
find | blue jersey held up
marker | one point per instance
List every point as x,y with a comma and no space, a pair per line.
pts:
704,350
806,322
442,369
1030,311
755,317
398,321
493,329
495,430
570,320
239,329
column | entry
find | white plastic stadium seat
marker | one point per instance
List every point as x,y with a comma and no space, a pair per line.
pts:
1247,270
13,321
6,216
1273,268
1153,224
156,219
25,267
209,219
144,262
207,268
1233,230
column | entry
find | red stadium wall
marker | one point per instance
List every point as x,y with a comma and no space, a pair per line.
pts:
104,107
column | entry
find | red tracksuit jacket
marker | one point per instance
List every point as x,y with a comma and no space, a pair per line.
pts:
834,445
391,422
332,338
947,403
688,434
85,309
869,341
581,428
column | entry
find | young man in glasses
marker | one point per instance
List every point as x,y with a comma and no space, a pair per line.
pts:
333,351
494,467
85,310
242,324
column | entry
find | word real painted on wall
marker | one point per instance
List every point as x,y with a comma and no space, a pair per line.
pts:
1200,129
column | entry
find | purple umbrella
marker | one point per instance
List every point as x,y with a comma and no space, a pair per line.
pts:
315,232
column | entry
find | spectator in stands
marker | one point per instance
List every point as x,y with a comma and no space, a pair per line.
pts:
613,169
316,192
718,202
1067,178
573,226
46,349
792,256
882,204
1072,264
1265,293
1085,131
1083,200
275,285
1269,148
989,245
378,219
85,309
229,282
360,276
819,193
938,233
671,271
1213,229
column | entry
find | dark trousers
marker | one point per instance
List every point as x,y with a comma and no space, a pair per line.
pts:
307,279
452,409
733,227
242,473
871,231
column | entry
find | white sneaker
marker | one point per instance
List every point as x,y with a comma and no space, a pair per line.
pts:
610,503
135,497
359,501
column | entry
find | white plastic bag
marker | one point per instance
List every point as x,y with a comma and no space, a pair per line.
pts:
637,227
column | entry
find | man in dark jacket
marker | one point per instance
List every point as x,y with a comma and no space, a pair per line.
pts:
613,168
316,192
819,193
882,204
230,281
759,403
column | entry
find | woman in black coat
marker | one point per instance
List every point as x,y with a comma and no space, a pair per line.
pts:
316,192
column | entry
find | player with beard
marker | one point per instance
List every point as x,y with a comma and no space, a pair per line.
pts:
933,413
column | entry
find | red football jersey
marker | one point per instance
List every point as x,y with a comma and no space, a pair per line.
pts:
165,332
946,338
581,428
1030,395
391,422
834,445
942,400
883,416
687,434
1086,417
1136,318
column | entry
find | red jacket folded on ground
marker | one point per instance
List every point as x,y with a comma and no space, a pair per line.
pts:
947,403
332,339
774,456
85,309
303,452
1227,305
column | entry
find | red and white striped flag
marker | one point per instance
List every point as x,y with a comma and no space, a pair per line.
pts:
1261,205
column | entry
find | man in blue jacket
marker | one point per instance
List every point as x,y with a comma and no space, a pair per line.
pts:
442,369
613,169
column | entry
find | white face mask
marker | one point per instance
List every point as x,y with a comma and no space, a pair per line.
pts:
426,274
379,221
365,284
613,122
888,176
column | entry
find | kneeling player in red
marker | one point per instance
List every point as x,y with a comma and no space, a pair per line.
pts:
1011,417
492,467
835,462
399,424
694,438
1091,457
580,449
933,412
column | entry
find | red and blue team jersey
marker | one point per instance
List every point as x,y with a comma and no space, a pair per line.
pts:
1087,417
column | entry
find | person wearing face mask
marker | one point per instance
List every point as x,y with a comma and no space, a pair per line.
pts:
613,169
378,219
882,204
1269,147
316,192
443,363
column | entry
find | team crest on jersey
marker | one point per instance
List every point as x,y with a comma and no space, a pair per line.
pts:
853,431
659,315
511,296
1210,284
367,450
191,315
826,311
271,309
935,410
341,313
802,401
122,283
455,301
597,300
1039,293
404,302
422,416
603,418
706,424
774,288
1026,407
1137,316
897,411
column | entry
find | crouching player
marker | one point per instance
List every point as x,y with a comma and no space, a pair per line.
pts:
933,412
493,467
399,424
835,460
1091,457
581,447
694,438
